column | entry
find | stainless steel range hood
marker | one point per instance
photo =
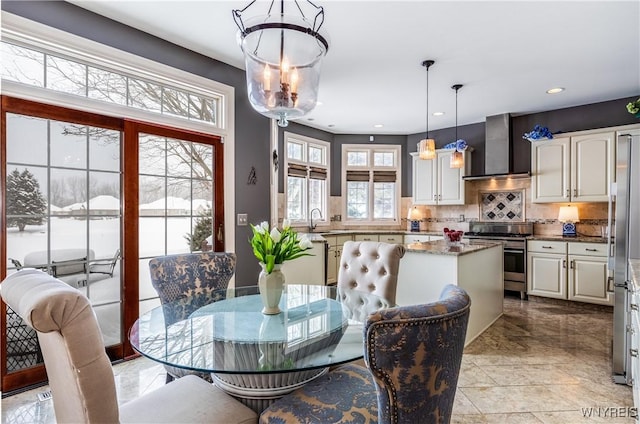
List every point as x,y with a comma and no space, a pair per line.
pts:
497,150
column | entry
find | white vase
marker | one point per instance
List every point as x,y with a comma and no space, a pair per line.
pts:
271,286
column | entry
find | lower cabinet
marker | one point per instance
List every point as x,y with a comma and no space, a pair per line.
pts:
334,254
568,270
307,269
385,238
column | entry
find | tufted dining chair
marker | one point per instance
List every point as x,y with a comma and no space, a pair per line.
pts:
187,282
412,356
370,267
80,374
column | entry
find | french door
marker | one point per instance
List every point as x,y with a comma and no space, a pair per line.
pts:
90,199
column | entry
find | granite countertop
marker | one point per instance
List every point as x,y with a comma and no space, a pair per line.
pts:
403,232
579,238
440,247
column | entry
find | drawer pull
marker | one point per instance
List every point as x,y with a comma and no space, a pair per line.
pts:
547,247
591,250
633,352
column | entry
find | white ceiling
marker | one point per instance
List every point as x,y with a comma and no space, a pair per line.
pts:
506,53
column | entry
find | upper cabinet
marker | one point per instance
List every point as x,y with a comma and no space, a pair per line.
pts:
436,183
579,168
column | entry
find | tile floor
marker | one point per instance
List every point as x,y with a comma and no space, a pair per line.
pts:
539,363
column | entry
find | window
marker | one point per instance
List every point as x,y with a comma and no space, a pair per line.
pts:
307,167
371,183
33,67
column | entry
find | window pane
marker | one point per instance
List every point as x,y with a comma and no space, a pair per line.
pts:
175,102
66,76
145,95
357,199
68,191
295,196
28,138
383,159
68,145
294,151
178,196
178,158
104,149
202,109
315,155
202,167
104,194
152,155
317,196
357,158
22,65
152,196
107,86
152,237
383,200
177,231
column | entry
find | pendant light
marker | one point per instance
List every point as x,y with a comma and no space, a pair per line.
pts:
457,158
282,54
427,146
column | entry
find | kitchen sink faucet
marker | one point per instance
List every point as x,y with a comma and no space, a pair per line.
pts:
313,226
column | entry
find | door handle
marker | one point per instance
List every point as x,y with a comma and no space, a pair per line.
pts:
572,264
564,263
568,193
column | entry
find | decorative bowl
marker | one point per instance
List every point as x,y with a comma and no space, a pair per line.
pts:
452,237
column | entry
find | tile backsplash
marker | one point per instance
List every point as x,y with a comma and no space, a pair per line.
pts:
593,216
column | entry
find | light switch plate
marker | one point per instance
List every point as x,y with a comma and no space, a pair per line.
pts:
242,219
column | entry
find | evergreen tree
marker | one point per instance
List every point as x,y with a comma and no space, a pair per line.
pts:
202,230
25,203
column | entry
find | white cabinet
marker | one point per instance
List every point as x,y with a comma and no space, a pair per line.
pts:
334,254
574,271
579,168
436,183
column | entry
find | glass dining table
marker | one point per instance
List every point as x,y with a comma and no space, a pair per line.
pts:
258,358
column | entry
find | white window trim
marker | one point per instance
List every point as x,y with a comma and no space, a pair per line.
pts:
288,136
27,32
397,150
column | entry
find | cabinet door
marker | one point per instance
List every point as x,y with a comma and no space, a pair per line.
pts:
547,275
424,181
333,261
450,189
550,166
588,280
592,167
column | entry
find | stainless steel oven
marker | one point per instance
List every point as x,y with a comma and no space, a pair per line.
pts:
513,237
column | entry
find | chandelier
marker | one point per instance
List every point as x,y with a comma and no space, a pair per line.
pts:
283,53
427,146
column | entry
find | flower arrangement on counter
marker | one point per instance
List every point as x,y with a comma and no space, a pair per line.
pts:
273,246
538,133
634,108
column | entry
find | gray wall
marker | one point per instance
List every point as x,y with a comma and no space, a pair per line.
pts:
252,130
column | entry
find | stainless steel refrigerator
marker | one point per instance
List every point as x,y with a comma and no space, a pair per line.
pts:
625,244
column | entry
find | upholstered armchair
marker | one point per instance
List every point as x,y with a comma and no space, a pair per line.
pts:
186,282
370,267
80,374
412,356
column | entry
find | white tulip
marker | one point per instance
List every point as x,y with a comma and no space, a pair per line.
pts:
285,224
263,227
305,243
275,235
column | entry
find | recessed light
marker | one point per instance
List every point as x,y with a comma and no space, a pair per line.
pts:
331,125
319,103
555,90
378,126
438,113
310,119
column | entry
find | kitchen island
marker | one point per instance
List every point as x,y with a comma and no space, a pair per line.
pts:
475,266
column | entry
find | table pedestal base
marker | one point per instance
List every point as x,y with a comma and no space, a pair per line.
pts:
258,391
